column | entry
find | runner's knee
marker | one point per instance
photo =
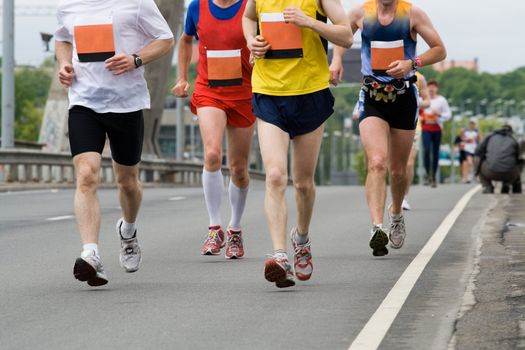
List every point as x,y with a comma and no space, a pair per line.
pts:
398,173
377,164
276,178
128,183
305,186
213,159
87,177
239,173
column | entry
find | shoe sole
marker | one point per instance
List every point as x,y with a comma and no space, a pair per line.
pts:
302,277
234,256
378,244
210,253
273,272
128,270
83,272
394,246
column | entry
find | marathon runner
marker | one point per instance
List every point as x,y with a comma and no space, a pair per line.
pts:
389,29
222,102
292,101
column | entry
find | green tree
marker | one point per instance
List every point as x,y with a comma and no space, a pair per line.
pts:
31,90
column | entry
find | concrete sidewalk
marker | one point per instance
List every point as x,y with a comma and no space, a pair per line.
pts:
493,312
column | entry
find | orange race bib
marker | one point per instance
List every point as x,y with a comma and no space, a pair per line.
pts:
429,118
285,39
94,40
383,53
224,67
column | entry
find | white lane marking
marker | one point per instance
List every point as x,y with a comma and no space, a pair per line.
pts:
376,328
176,198
59,218
22,192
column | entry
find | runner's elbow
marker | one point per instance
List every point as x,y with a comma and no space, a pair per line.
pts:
443,53
349,39
171,43
346,42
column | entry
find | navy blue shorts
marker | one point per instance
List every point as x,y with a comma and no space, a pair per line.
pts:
296,115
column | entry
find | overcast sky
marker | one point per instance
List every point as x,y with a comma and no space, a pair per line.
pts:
469,28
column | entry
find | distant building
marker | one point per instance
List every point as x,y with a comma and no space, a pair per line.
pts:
446,65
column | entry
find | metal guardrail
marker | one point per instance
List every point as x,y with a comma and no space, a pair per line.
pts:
30,166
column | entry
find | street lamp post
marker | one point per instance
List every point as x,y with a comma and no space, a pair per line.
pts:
8,75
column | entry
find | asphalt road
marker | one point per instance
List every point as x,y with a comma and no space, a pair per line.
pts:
181,300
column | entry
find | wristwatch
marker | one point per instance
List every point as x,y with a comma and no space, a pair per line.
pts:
415,66
137,60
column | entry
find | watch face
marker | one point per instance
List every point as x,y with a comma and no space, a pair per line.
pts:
138,61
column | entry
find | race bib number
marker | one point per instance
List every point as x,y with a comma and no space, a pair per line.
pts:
94,39
285,39
383,53
224,67
429,118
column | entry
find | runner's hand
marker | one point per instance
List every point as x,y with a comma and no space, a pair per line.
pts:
181,88
336,72
296,16
66,74
120,64
258,46
399,69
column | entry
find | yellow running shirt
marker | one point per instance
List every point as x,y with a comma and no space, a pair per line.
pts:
298,63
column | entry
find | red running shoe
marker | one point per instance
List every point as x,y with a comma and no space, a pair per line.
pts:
279,270
214,242
234,247
302,261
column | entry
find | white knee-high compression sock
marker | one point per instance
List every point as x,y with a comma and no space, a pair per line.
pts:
213,185
238,202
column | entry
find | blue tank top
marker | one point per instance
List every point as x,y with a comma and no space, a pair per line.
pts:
381,45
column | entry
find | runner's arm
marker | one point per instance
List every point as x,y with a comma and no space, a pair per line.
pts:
182,86
255,43
445,113
338,32
125,62
423,26
423,93
64,54
155,50
336,66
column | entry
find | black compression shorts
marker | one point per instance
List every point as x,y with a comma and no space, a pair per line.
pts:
88,129
400,114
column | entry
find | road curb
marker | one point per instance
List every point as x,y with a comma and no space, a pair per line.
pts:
496,318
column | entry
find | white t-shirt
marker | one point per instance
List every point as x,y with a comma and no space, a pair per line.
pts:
471,142
134,24
440,105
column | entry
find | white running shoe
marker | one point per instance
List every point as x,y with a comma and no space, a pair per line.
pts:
405,205
397,232
88,268
130,254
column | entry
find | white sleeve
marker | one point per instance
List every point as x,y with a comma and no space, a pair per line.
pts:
151,21
446,113
62,33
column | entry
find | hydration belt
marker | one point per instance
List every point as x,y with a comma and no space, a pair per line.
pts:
386,91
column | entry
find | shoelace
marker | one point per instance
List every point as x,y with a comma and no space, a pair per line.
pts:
130,250
397,227
302,252
213,236
235,240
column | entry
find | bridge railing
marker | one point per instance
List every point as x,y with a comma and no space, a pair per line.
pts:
30,166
